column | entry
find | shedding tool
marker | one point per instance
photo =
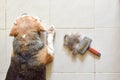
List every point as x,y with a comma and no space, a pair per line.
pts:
84,45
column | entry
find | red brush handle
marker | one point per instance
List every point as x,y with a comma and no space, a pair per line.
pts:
94,51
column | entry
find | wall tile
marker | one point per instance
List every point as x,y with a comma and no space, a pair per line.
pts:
107,42
107,13
108,76
72,14
35,8
66,62
71,76
2,14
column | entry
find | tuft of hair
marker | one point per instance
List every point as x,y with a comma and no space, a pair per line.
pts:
71,40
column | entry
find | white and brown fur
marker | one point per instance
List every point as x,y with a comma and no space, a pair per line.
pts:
30,55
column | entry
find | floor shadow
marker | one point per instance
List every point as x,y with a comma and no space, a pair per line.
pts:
74,56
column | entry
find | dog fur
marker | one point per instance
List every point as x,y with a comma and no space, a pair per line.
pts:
30,55
71,42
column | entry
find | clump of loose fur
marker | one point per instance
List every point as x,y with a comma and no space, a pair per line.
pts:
71,41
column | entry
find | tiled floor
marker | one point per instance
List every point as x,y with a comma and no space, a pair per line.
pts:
97,19
72,14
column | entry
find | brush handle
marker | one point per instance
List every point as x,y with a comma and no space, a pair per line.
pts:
94,51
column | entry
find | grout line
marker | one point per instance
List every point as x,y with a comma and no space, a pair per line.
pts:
2,29
5,14
94,14
74,28
49,12
77,73
80,27
94,36
86,72
70,73
84,28
107,27
94,68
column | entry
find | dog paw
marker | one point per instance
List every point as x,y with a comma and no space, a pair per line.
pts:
51,29
51,38
51,51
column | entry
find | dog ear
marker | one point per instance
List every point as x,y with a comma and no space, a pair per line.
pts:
13,31
40,27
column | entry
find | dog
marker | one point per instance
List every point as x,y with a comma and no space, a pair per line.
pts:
30,55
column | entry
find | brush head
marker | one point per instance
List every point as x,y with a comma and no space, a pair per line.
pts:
84,45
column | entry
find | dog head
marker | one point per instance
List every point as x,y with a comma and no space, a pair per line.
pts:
25,24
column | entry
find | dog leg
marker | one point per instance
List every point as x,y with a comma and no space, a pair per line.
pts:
50,39
46,54
50,48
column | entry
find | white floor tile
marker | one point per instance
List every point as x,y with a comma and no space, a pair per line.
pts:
107,13
108,76
70,76
9,44
3,55
72,14
2,76
107,42
2,14
38,8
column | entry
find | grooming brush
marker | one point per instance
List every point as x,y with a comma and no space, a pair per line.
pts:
84,45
